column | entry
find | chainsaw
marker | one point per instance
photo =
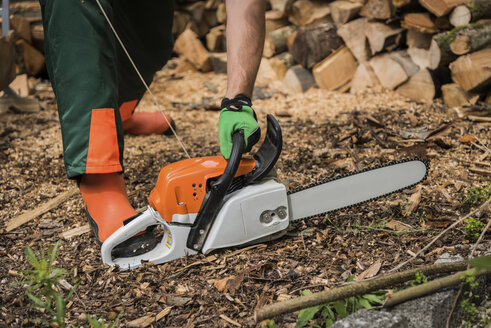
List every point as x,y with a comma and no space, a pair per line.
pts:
208,203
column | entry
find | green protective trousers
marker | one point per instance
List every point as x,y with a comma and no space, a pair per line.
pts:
95,85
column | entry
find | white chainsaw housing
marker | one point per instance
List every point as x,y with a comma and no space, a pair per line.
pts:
239,222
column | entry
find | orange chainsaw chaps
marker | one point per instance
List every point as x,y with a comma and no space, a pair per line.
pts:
181,186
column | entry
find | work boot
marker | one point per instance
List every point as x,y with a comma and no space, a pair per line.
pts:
107,208
143,123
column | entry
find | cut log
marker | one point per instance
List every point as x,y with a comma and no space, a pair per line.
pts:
189,46
461,15
473,72
336,71
420,22
281,63
479,9
314,44
275,42
282,6
488,98
402,58
266,75
21,27
20,85
221,13
400,3
470,39
426,58
388,71
479,38
7,58
275,20
455,96
420,86
196,10
441,7
342,11
212,4
353,34
219,62
31,60
379,9
382,36
364,78
37,32
298,79
290,38
416,39
181,21
305,12
215,39
210,17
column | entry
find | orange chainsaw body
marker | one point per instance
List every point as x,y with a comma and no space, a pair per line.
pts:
181,186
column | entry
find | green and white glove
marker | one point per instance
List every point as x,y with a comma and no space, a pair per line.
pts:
237,114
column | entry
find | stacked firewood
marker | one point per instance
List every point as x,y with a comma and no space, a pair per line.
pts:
422,49
28,37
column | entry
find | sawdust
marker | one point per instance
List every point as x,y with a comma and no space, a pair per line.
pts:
324,134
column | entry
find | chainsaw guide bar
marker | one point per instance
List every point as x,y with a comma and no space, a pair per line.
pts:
293,194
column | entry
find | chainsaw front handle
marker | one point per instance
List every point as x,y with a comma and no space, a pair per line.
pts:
213,199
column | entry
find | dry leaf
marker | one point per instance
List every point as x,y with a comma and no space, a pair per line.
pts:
370,272
468,138
221,284
413,202
398,225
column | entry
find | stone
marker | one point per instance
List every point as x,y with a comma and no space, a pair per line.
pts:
428,311
373,319
448,258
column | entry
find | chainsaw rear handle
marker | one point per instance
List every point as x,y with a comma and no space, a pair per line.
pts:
213,199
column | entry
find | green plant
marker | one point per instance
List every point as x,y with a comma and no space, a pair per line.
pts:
95,323
270,324
326,314
419,278
473,228
42,288
42,285
478,195
467,304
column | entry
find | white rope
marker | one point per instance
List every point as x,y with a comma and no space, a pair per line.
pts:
141,78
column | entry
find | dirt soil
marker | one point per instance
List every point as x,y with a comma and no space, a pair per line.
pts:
325,134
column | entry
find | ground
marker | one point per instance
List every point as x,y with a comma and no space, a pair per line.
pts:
325,134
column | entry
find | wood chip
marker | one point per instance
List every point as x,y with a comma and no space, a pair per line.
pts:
142,322
468,138
233,322
163,313
75,231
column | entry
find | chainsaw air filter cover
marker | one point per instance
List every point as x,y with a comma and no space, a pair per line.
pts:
182,185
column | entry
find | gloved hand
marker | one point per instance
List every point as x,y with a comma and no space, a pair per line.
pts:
237,114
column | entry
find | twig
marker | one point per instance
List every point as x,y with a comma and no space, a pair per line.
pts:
352,289
49,205
481,236
483,206
429,287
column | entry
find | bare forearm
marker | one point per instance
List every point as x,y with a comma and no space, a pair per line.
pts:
245,41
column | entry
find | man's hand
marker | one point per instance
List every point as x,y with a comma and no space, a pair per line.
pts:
237,114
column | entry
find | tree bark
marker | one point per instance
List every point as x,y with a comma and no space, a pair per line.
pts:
471,38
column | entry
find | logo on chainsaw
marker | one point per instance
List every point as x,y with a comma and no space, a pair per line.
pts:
169,239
